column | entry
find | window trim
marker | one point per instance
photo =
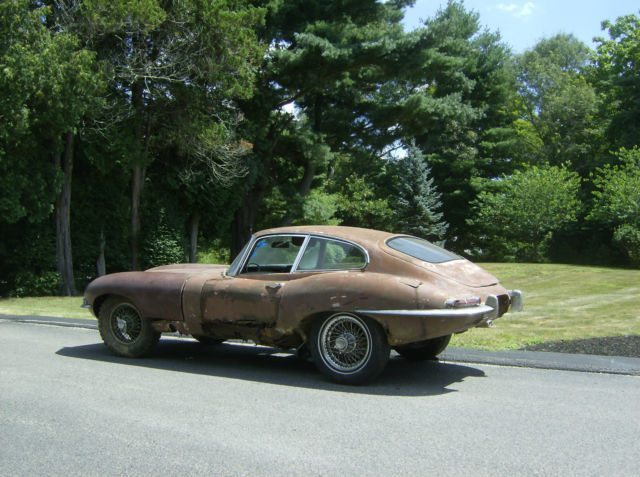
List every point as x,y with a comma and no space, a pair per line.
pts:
255,239
335,239
386,242
303,248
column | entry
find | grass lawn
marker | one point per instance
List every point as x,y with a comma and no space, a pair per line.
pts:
562,302
66,307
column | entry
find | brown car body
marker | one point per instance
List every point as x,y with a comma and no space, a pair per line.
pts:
412,300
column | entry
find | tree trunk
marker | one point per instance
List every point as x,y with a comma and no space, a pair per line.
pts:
194,223
64,258
137,179
101,264
303,190
245,219
137,183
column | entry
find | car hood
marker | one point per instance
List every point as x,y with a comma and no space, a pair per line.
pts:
462,271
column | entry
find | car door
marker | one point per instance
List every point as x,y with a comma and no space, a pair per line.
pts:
252,297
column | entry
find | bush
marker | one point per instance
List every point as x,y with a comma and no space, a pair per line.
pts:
627,237
31,284
617,201
517,221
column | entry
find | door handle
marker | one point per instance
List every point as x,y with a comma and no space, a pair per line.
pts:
273,286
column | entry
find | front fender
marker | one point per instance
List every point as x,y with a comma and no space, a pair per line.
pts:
156,295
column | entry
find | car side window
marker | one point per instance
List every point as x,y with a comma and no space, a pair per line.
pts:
327,254
273,254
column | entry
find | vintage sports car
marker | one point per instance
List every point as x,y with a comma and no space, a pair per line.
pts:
346,295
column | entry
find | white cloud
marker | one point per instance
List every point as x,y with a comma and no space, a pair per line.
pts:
517,9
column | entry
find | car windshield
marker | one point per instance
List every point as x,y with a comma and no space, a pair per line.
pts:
421,249
235,265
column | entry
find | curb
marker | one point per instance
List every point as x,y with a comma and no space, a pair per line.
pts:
524,359
587,363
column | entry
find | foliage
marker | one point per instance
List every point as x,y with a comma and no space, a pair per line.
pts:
360,205
165,244
416,202
519,218
31,284
617,77
617,201
559,103
319,208
208,120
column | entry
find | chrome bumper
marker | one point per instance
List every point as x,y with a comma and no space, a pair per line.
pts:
471,312
485,314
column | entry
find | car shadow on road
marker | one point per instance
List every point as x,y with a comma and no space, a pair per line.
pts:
273,366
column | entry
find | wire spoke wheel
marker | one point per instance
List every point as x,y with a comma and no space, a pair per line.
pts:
345,343
125,323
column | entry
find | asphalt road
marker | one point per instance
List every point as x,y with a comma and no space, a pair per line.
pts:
67,407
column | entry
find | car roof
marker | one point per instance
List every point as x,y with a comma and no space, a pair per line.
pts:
364,237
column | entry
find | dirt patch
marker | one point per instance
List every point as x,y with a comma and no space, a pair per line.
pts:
609,346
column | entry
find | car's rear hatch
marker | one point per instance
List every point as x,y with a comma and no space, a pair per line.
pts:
462,271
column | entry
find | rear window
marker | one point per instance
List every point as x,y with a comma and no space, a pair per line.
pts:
421,249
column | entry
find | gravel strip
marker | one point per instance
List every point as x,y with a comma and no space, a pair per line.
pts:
628,346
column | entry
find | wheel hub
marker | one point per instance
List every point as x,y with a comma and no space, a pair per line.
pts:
126,323
345,343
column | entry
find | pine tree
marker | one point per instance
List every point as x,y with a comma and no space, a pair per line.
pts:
417,202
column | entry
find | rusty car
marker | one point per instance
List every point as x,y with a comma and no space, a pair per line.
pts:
345,295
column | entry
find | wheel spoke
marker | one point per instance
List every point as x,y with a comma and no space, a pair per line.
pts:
126,323
345,343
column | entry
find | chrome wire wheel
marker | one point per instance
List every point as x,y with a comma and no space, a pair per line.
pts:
125,323
344,343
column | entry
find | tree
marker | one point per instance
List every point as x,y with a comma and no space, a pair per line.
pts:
458,107
315,100
63,84
556,98
617,201
517,220
617,78
416,203
176,70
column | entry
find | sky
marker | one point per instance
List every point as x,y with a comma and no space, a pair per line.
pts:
522,23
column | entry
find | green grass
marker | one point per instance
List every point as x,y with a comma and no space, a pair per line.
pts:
562,302
65,307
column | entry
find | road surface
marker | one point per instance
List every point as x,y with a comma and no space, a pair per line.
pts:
67,407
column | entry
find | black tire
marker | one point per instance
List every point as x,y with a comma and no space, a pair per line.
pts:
124,330
424,350
207,340
349,349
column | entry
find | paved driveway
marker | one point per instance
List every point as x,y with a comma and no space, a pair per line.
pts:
67,407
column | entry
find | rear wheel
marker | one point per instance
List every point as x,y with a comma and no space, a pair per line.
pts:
424,350
124,330
349,349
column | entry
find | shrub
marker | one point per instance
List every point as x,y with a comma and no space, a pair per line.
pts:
32,284
517,220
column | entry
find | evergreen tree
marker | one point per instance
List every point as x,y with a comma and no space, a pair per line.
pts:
417,202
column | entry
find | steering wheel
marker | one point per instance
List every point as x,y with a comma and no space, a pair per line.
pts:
253,267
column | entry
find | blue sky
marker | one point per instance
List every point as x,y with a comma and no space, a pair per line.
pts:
523,22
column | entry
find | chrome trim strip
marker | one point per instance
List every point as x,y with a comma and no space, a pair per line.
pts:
300,254
256,238
476,311
364,251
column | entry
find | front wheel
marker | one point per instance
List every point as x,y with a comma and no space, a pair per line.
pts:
124,331
349,349
424,350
